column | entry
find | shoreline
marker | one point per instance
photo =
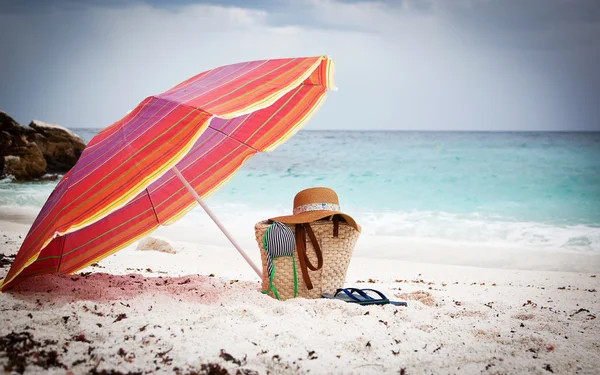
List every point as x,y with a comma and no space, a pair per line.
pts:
415,250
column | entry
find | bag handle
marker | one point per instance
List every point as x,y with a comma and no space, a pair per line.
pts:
336,225
301,230
315,243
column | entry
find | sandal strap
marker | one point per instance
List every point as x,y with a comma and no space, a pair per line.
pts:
350,293
381,295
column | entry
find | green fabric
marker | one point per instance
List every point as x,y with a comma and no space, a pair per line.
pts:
295,278
271,284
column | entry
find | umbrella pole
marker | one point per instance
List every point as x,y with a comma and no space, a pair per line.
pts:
214,218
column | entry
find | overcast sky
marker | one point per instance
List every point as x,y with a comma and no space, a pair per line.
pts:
401,65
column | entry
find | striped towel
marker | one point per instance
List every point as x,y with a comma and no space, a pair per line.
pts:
279,242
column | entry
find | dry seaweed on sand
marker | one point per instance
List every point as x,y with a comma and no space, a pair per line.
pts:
212,369
22,350
112,372
228,357
6,260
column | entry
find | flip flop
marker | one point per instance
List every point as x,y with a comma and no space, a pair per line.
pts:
395,303
359,296
353,295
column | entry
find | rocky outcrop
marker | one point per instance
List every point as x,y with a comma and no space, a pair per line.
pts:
61,148
25,163
30,153
19,156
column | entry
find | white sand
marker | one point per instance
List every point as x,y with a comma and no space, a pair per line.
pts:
157,312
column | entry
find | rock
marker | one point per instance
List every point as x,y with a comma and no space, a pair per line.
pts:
61,148
156,244
18,156
30,153
10,126
28,165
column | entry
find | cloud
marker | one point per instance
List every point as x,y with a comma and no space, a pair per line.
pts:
537,24
401,65
364,16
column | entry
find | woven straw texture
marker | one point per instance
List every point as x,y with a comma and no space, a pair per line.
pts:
337,252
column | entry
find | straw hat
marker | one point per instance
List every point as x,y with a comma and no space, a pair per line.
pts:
315,204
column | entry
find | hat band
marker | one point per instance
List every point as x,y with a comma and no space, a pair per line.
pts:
316,207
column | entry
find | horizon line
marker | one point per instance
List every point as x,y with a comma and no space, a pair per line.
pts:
425,130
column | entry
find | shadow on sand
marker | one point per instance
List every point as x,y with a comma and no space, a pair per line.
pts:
102,287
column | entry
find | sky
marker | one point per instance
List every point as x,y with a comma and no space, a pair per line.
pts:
474,65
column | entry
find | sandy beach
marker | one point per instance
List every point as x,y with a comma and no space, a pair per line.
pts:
460,138
200,311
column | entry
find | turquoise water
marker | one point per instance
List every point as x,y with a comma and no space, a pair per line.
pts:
532,189
544,177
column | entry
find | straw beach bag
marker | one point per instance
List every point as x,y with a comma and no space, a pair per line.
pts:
308,253
288,281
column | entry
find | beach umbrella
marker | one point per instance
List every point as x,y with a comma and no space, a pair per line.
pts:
165,156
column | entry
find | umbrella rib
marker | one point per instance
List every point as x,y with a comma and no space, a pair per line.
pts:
152,205
235,139
217,130
62,250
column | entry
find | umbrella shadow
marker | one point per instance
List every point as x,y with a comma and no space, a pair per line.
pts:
105,287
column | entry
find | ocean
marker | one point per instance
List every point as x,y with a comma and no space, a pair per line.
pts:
533,190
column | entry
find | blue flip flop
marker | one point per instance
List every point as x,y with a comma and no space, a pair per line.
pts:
354,295
360,296
395,303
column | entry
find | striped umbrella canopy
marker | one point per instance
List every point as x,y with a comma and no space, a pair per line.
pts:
132,176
